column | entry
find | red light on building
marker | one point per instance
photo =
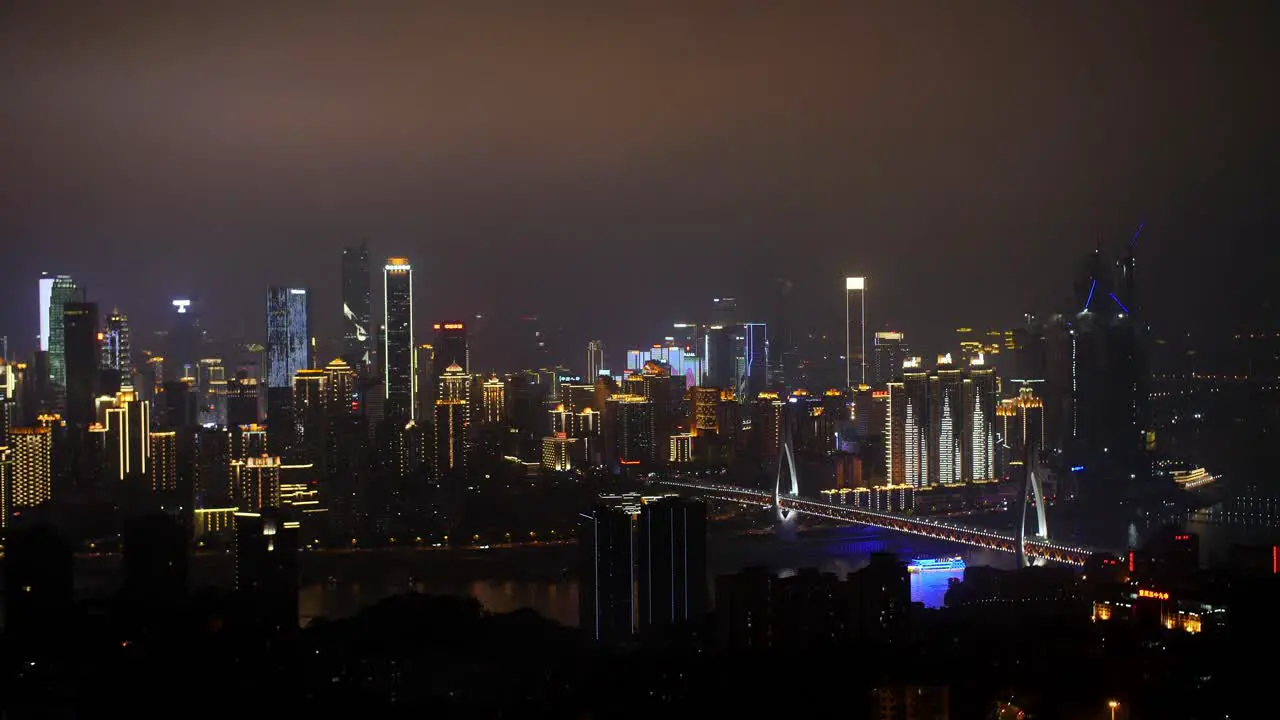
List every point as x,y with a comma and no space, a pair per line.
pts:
1181,538
1275,559
1130,561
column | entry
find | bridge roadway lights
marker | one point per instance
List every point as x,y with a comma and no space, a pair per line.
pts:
969,536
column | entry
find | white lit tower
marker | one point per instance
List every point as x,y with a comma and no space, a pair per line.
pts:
399,361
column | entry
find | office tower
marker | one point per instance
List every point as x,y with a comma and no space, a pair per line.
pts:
561,453
266,573
357,315
702,411
249,441
607,564
768,416
310,412
210,378
493,401
38,586
428,382
595,360
889,349
907,430
127,419
859,285
452,424
947,423
672,558
179,405
288,334
629,428
186,340
242,399
282,434
718,358
342,388
31,453
451,346
1021,427
256,482
753,378
115,346
164,461
61,290
399,362
724,311
213,488
980,420
80,360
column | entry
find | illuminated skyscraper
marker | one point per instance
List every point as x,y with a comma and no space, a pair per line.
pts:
494,400
128,427
115,346
452,424
451,346
288,335
907,427
888,352
31,450
357,317
629,425
980,423
595,360
186,340
947,422
62,290
257,482
164,461
310,413
399,361
342,393
753,378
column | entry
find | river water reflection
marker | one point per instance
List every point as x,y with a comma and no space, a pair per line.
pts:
839,551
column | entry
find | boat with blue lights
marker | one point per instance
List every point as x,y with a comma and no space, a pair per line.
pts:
933,564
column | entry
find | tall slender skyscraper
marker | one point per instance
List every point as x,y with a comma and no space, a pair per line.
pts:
62,290
399,361
288,335
357,335
595,360
80,351
115,346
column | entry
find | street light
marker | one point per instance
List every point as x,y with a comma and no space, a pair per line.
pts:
1113,704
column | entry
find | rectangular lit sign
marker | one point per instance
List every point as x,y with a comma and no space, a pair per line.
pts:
1154,594
855,283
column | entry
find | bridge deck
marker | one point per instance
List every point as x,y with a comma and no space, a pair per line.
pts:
942,530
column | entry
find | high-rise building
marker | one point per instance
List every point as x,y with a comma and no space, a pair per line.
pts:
595,360
186,340
31,450
718,358
452,424
127,420
980,421
947,422
288,334
672,558
266,573
241,400
753,377
630,432
398,358
888,351
493,400
115,347
342,388
164,461
606,591
907,427
310,411
80,360
62,290
6,478
357,315
451,346
257,482
859,285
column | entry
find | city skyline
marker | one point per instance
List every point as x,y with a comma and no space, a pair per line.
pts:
1011,155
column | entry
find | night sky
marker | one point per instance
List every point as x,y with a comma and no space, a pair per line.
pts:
612,166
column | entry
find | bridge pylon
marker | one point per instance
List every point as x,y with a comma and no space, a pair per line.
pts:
786,455
1032,491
